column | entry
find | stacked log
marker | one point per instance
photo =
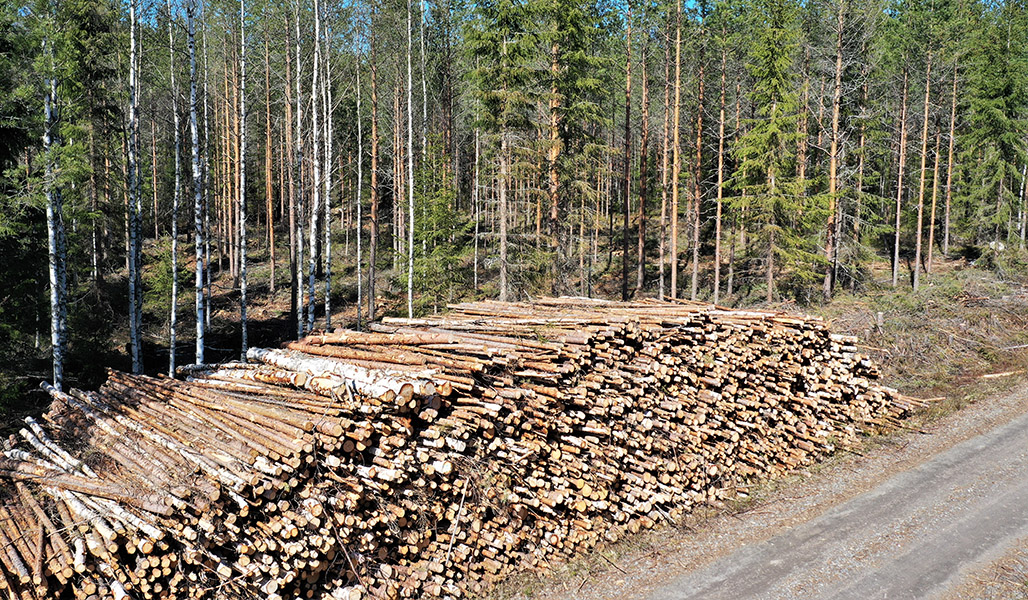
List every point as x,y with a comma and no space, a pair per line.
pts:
425,457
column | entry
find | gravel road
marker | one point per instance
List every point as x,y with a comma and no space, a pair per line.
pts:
924,515
915,535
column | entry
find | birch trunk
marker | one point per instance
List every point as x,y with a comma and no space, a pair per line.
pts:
56,246
410,174
424,85
316,158
172,333
198,188
241,154
300,325
135,201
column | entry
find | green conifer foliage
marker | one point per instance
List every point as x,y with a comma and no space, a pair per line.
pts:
782,221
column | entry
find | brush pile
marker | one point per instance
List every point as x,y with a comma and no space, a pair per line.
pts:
425,457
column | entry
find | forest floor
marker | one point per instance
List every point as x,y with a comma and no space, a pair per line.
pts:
962,340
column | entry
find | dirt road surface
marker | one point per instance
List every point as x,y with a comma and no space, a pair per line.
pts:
926,515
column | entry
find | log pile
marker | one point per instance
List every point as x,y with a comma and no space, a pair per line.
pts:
425,457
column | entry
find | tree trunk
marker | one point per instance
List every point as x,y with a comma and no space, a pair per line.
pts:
373,241
833,162
360,190
861,159
553,156
57,250
316,166
949,165
206,197
803,126
410,174
771,244
676,161
627,171
398,178
135,202
241,154
268,187
504,170
326,98
174,200
935,196
153,174
924,170
476,205
1022,219
720,174
298,98
697,197
664,163
294,308
899,181
644,142
198,188
424,85
95,245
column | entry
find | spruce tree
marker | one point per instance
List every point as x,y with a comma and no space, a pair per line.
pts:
766,151
502,41
997,128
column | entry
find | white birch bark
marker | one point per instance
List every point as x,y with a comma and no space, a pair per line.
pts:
135,200
424,86
300,320
410,175
316,169
172,333
57,252
242,177
198,187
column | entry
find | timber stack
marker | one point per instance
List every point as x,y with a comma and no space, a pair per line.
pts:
425,457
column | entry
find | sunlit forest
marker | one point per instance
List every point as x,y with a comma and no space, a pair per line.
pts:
184,179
